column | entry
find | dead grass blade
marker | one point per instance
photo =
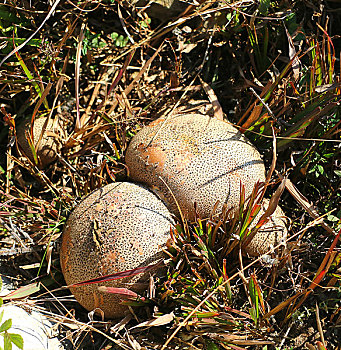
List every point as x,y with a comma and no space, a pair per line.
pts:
218,111
303,201
118,275
283,305
130,87
273,202
157,322
319,325
24,291
296,63
254,116
118,291
327,261
77,73
264,218
274,156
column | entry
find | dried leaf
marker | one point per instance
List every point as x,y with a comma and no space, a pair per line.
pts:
119,291
253,117
273,202
293,56
303,201
156,322
24,291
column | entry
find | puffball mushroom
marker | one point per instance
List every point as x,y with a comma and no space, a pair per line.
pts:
118,227
50,143
196,159
272,233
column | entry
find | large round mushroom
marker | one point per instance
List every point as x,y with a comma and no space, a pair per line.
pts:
116,228
195,159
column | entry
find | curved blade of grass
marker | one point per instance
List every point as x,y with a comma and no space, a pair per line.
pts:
157,322
29,289
31,78
331,56
77,73
118,275
36,108
118,291
31,145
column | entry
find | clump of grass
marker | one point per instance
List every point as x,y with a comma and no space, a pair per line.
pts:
205,277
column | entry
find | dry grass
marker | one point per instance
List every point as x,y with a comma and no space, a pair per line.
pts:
106,69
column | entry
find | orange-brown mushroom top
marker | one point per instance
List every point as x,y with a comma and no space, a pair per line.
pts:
116,228
196,159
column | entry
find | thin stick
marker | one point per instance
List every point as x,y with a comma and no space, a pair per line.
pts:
77,72
263,103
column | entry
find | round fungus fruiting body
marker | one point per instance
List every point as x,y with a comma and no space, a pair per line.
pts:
50,143
196,159
116,228
271,234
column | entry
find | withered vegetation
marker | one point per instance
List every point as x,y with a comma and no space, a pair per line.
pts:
104,69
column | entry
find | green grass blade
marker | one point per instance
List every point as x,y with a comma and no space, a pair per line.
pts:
31,78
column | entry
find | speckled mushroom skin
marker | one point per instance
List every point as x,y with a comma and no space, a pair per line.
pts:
201,159
116,228
50,143
270,234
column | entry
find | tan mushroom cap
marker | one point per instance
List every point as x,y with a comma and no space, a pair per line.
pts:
116,228
50,143
270,234
201,159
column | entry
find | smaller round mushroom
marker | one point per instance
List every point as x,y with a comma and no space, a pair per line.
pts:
116,228
50,143
272,233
